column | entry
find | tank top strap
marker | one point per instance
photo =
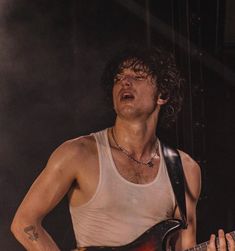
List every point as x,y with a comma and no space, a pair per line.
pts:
103,151
102,142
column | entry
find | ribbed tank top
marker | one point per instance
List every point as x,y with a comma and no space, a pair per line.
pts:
120,211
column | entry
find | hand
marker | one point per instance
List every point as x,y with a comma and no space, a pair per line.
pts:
222,242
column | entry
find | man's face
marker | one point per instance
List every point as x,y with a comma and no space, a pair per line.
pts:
134,94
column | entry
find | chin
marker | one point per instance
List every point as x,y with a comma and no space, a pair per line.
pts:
128,113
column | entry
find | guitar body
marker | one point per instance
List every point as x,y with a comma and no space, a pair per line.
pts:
154,239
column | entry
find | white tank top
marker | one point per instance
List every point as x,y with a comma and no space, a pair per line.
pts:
120,211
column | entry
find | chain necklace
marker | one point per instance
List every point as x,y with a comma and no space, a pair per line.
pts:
124,151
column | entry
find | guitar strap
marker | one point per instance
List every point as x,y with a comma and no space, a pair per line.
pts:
176,175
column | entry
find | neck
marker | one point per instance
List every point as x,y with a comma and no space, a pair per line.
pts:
138,138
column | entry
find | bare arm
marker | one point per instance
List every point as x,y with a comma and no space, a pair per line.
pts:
47,190
187,238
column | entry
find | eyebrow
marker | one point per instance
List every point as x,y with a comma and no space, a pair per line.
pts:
134,71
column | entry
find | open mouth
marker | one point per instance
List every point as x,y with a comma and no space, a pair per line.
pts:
126,96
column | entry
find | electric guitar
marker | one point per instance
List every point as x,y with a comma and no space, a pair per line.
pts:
154,239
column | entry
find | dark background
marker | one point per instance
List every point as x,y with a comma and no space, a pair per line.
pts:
52,56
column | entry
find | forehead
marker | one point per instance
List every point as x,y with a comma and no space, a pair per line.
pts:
134,65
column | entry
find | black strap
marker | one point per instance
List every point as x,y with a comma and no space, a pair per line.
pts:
176,175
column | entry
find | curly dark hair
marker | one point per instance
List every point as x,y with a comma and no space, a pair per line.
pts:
157,63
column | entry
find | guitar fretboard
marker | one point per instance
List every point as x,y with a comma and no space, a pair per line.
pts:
203,246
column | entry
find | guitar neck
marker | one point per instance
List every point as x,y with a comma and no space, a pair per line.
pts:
203,246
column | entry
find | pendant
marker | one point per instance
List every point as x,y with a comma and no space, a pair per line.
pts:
150,164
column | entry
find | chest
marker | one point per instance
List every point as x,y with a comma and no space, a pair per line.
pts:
132,171
133,190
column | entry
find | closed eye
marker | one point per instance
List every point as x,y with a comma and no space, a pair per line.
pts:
120,77
139,78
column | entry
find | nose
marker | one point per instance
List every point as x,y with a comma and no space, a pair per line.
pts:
126,80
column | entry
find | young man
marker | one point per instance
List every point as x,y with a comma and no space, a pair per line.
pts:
122,187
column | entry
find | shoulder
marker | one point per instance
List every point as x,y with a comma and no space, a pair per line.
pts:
81,145
72,152
192,174
75,148
189,164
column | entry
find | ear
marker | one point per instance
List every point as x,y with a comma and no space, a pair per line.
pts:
161,100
